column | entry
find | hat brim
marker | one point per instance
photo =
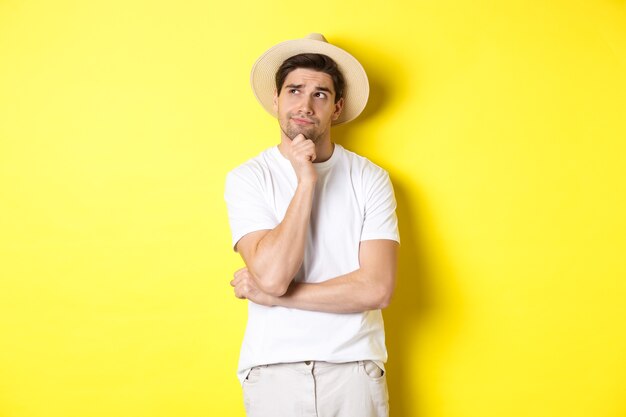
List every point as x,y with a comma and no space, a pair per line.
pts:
356,90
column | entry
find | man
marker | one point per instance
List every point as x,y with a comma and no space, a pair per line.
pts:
316,227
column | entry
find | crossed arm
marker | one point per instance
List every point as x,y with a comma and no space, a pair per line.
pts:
368,288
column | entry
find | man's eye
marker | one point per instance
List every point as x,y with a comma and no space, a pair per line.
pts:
321,95
293,91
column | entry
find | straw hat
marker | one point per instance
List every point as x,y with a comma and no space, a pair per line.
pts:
356,91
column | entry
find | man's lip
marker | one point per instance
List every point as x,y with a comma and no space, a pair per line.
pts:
302,121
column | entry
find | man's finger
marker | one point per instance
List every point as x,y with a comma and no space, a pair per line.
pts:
298,139
235,281
239,291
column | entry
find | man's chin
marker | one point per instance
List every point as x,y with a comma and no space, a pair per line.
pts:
308,133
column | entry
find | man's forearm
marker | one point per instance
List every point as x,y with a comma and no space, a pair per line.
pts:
351,293
368,288
277,256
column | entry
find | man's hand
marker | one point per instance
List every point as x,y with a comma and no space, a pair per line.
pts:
246,287
301,153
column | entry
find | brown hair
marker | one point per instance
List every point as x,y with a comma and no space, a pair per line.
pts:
317,62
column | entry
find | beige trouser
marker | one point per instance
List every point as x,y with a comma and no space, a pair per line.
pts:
316,389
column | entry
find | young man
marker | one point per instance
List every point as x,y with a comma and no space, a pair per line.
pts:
316,227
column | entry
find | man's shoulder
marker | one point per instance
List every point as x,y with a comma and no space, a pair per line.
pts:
257,164
361,163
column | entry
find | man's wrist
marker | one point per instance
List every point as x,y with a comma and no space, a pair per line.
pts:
307,182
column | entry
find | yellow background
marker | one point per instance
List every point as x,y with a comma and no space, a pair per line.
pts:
502,124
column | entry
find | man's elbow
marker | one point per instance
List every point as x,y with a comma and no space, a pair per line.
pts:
384,299
275,287
381,297
271,282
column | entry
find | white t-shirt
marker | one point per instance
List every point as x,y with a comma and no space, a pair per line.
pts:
353,201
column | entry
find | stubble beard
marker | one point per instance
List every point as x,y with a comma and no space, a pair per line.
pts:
312,133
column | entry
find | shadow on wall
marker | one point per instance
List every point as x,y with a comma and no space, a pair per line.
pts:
412,301
413,298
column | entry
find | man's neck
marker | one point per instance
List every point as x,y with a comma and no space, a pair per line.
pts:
324,151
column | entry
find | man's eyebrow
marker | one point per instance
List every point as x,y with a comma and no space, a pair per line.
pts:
299,86
320,88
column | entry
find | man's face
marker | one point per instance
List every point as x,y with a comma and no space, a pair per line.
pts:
306,104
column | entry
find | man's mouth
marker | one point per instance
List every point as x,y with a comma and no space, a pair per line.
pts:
302,121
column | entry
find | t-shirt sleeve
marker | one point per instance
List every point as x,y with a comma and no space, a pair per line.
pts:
248,209
380,221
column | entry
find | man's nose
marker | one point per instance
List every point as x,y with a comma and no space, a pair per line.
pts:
306,105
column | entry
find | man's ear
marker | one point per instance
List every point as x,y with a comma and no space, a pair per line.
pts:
338,109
